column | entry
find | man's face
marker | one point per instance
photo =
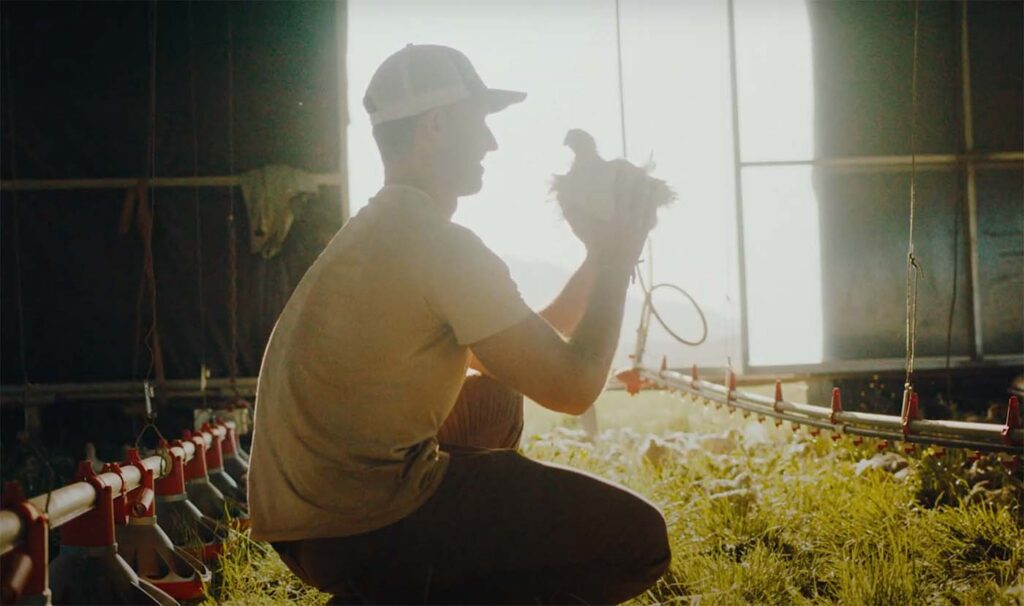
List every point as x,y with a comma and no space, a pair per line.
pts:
460,142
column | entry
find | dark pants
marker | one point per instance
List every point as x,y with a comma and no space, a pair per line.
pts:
500,529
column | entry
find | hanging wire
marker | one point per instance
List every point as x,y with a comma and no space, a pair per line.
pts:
195,200
913,266
145,215
622,94
152,339
232,228
648,308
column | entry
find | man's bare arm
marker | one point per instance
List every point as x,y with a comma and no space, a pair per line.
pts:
567,376
566,310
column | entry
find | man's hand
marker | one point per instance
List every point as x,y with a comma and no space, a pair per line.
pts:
618,240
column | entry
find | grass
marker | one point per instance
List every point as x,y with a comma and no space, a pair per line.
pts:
765,515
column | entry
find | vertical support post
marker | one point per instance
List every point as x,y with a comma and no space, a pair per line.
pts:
741,262
341,37
971,193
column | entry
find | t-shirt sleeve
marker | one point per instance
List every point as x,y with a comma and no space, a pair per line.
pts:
470,288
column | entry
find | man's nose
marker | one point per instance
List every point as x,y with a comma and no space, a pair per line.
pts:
490,143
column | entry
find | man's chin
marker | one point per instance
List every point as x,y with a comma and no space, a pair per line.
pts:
472,187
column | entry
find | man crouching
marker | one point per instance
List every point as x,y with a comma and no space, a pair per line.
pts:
382,473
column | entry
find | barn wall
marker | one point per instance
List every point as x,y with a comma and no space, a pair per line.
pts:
76,105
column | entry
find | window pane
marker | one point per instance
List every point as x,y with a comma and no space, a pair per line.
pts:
863,52
675,67
1001,259
997,74
568,70
773,62
679,113
780,218
864,231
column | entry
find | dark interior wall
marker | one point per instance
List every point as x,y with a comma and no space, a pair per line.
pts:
863,53
239,86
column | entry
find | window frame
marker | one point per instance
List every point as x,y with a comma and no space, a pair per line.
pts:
967,160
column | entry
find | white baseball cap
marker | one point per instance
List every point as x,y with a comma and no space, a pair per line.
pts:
421,77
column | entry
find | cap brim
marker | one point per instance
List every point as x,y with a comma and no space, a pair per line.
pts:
496,99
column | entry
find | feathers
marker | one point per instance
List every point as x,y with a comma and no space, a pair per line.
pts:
598,186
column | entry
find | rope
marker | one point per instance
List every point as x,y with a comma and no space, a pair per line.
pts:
195,200
913,266
232,228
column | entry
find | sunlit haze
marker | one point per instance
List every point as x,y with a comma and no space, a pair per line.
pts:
677,109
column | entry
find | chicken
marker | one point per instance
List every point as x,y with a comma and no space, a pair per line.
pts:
598,185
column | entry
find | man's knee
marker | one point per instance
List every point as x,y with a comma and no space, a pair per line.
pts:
652,550
487,414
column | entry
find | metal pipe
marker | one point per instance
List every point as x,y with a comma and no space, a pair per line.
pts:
325,179
11,530
741,262
973,267
191,388
926,430
68,502
854,367
341,27
971,212
1005,159
121,390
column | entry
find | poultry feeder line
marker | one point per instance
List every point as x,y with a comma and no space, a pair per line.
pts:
73,500
1007,438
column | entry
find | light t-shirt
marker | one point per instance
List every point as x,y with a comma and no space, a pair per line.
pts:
365,364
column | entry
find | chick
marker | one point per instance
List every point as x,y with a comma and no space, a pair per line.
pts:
598,185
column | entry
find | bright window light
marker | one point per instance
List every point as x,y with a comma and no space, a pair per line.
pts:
677,108
774,69
780,215
568,69
780,209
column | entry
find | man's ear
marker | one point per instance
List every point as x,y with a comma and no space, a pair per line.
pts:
430,126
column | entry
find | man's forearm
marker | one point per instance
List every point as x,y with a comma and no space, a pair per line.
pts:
596,337
566,310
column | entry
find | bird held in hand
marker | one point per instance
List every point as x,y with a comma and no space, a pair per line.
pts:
598,186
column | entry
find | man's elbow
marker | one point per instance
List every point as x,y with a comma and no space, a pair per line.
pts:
581,406
569,404
578,396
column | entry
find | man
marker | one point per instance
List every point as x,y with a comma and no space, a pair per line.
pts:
379,471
